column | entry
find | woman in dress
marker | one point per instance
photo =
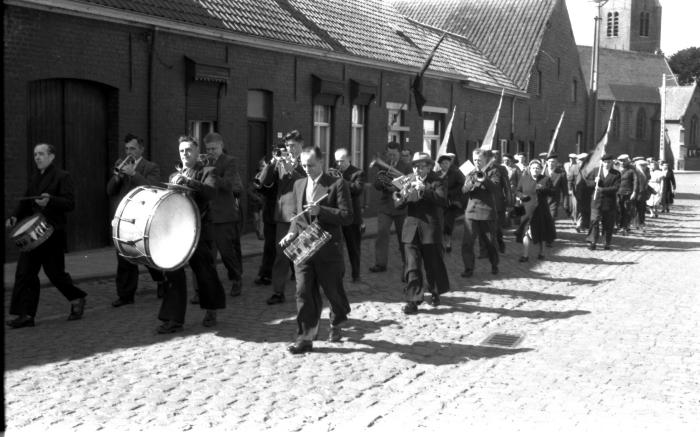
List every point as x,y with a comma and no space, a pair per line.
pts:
537,225
656,182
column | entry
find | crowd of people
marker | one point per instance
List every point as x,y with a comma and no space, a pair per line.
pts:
305,213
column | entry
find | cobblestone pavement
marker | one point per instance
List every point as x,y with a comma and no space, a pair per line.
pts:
610,342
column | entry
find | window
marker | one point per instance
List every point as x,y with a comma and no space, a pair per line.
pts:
613,24
539,82
693,133
396,119
644,24
574,91
322,129
432,129
641,124
198,129
357,135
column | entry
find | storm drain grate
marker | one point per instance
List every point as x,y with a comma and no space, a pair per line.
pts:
503,340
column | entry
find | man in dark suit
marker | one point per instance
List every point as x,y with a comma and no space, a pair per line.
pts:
454,179
626,196
325,199
355,178
578,187
53,189
201,183
278,178
131,172
424,199
603,203
559,183
481,187
225,210
387,213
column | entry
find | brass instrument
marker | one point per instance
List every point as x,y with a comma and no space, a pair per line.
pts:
286,161
128,160
206,159
387,174
411,188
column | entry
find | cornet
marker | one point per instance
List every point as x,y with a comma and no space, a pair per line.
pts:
128,160
206,159
336,173
411,190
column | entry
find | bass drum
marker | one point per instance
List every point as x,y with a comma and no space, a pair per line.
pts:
156,227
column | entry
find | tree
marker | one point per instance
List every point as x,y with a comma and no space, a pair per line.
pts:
686,64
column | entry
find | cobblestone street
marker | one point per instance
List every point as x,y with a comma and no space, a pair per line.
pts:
609,343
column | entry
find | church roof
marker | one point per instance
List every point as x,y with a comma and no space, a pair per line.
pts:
678,99
627,76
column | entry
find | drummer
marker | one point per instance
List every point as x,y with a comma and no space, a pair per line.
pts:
50,194
200,182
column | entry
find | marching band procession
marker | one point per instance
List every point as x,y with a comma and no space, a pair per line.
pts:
310,211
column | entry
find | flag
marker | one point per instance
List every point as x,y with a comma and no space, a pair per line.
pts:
467,167
417,86
445,140
556,132
599,151
487,144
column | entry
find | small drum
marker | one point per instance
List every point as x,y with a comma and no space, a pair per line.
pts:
307,243
31,232
156,227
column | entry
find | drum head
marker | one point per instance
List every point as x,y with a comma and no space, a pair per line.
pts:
173,231
25,225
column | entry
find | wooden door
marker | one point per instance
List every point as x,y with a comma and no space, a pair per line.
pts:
72,116
258,147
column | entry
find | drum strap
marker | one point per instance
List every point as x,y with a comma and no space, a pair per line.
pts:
133,244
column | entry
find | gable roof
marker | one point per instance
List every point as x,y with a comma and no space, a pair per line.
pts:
627,76
362,29
509,32
678,99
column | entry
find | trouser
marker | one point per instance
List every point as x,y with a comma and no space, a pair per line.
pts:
624,206
500,219
381,244
268,256
430,256
280,267
486,231
227,239
312,275
604,220
50,256
128,277
450,215
211,292
353,240
640,218
583,212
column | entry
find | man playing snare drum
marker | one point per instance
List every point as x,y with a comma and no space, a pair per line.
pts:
320,198
53,188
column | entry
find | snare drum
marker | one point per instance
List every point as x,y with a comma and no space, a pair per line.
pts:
156,227
31,232
307,243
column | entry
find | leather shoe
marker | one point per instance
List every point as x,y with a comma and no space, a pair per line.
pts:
591,246
540,256
169,327
607,247
410,308
355,279
467,273
275,299
435,300
235,290
262,280
377,269
195,298
300,347
523,259
502,247
494,270
77,309
21,322
335,334
121,302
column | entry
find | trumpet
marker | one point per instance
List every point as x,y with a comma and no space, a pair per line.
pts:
386,174
412,188
127,160
206,159
336,173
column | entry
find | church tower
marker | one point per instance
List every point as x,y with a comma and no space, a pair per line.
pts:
631,25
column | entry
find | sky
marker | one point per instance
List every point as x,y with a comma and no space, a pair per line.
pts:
680,20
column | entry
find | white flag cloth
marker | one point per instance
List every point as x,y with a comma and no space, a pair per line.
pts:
487,144
445,140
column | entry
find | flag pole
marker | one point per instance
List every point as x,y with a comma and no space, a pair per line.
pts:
605,140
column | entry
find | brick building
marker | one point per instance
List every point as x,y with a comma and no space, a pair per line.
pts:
80,74
682,115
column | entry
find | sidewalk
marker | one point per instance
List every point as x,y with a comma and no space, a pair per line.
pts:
102,263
